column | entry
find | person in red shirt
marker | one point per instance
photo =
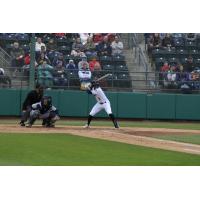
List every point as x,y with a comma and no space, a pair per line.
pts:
94,65
165,67
97,38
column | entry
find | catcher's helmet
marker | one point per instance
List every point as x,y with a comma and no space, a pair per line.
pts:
46,101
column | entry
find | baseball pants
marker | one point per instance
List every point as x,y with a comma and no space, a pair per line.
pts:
98,107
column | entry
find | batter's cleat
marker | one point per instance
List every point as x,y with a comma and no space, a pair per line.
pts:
86,126
21,123
116,125
28,125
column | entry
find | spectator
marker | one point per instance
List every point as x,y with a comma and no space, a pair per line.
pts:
117,46
165,67
111,37
150,44
156,40
90,49
51,45
58,35
83,62
104,48
71,66
94,64
17,55
189,65
97,38
167,41
4,78
77,48
162,35
60,76
84,73
43,58
59,61
84,37
39,44
45,77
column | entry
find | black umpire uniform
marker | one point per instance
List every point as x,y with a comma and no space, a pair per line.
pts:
33,96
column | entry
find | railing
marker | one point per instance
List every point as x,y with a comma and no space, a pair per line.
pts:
5,60
132,81
139,55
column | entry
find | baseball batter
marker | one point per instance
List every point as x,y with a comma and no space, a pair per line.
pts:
102,103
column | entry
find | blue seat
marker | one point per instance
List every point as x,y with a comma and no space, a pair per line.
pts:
105,60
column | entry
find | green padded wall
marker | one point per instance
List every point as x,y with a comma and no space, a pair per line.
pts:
9,102
124,105
73,103
131,105
161,106
188,107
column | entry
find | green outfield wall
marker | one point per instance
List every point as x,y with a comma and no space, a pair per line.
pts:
124,104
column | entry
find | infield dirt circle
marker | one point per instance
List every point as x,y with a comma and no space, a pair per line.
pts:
135,136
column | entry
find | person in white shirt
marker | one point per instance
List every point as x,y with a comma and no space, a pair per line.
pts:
102,103
117,46
84,73
39,44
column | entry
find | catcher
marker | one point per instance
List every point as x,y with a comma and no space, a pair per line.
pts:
44,110
33,96
102,103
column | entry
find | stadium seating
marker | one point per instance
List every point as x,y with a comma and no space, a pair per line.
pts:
116,65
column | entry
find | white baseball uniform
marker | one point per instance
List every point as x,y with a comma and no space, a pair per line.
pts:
102,102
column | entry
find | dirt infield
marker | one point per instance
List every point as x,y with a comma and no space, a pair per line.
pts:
136,136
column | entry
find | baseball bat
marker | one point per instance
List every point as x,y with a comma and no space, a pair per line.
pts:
106,75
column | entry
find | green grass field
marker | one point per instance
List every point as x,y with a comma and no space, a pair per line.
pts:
193,139
69,150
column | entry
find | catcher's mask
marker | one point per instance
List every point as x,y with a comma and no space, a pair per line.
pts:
46,101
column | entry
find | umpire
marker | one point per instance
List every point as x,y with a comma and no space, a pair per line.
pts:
33,96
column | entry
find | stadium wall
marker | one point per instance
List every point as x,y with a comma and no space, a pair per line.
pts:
124,104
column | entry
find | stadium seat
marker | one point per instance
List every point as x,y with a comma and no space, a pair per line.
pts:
62,41
121,68
46,39
123,80
157,53
9,47
173,60
181,53
105,60
118,60
183,60
179,44
26,48
159,62
190,45
10,38
194,53
108,68
169,53
197,62
64,49
23,38
68,57
73,78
